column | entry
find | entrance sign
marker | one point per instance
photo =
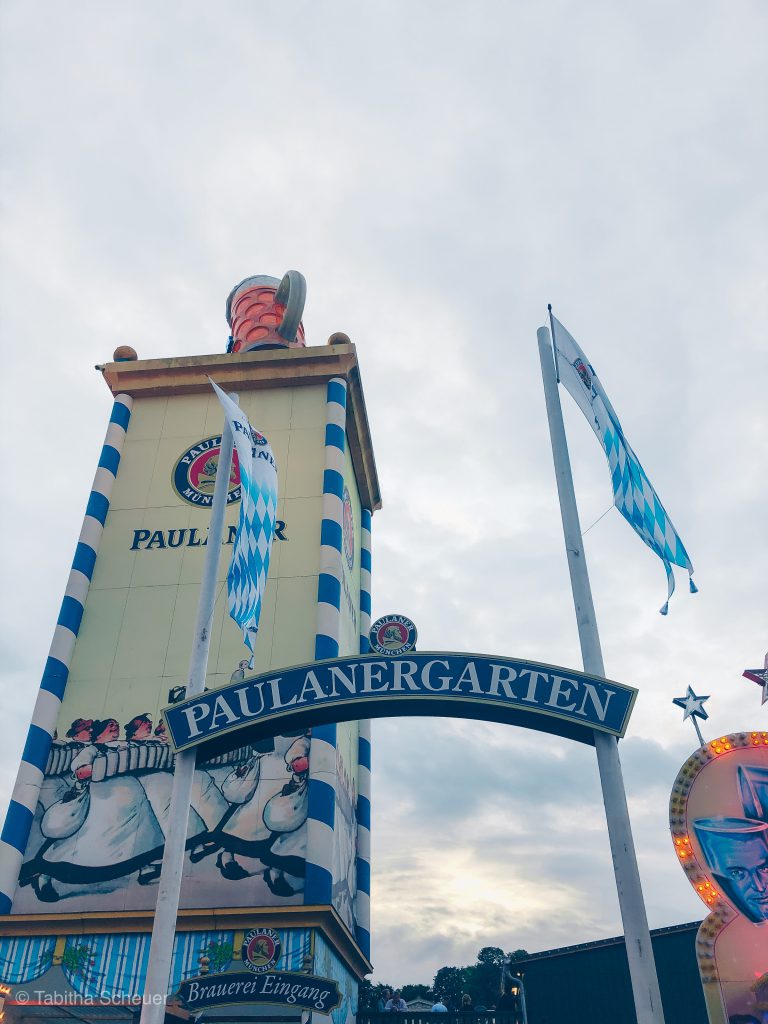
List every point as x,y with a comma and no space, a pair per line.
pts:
543,697
283,988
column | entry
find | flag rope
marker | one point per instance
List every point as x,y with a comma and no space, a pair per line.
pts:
598,520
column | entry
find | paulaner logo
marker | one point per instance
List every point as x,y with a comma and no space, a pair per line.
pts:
393,634
261,949
194,475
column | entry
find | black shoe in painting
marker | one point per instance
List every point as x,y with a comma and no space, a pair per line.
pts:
231,869
149,873
278,885
45,892
197,853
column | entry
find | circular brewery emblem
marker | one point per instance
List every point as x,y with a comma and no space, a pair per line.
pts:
393,634
194,475
348,528
261,950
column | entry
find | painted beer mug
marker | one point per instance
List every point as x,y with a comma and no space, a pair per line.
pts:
264,312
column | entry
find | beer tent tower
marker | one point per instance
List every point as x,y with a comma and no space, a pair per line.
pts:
278,835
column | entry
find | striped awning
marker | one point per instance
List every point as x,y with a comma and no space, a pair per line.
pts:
23,960
115,966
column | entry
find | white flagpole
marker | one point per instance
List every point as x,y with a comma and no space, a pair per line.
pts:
169,888
642,969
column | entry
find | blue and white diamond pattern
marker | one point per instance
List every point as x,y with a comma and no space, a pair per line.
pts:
247,577
633,493
637,501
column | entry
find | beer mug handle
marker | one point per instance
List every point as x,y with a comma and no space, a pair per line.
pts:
292,292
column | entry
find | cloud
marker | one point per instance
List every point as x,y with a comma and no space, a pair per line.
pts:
438,179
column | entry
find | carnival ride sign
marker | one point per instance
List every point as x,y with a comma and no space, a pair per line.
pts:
718,815
536,696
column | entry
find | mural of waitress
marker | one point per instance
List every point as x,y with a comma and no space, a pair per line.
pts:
284,815
56,784
241,830
248,832
99,831
207,805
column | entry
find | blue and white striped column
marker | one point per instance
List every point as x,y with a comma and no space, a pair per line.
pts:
318,886
329,584
21,810
363,897
365,581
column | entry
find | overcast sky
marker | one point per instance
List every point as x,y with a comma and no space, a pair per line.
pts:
438,171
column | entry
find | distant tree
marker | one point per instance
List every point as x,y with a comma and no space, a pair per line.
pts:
368,995
482,980
364,990
484,977
491,955
409,992
449,983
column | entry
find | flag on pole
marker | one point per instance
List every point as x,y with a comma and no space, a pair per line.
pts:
248,570
633,494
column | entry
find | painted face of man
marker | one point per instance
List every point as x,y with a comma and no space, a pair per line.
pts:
744,871
736,850
143,729
111,731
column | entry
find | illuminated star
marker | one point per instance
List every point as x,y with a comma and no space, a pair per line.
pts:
692,705
759,676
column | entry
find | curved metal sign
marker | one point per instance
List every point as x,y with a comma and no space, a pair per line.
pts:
526,693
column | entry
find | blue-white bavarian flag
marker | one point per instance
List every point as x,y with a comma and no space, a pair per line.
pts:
633,494
247,576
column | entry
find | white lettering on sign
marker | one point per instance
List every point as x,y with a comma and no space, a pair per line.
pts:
426,677
194,715
469,675
558,691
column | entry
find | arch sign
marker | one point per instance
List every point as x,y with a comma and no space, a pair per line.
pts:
526,693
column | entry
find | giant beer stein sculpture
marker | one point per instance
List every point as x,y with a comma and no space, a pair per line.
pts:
264,312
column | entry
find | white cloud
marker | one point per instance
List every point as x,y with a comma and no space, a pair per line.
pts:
438,179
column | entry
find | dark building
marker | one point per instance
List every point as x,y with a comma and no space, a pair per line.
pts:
590,983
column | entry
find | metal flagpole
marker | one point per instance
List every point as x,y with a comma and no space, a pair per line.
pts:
642,969
166,910
552,331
